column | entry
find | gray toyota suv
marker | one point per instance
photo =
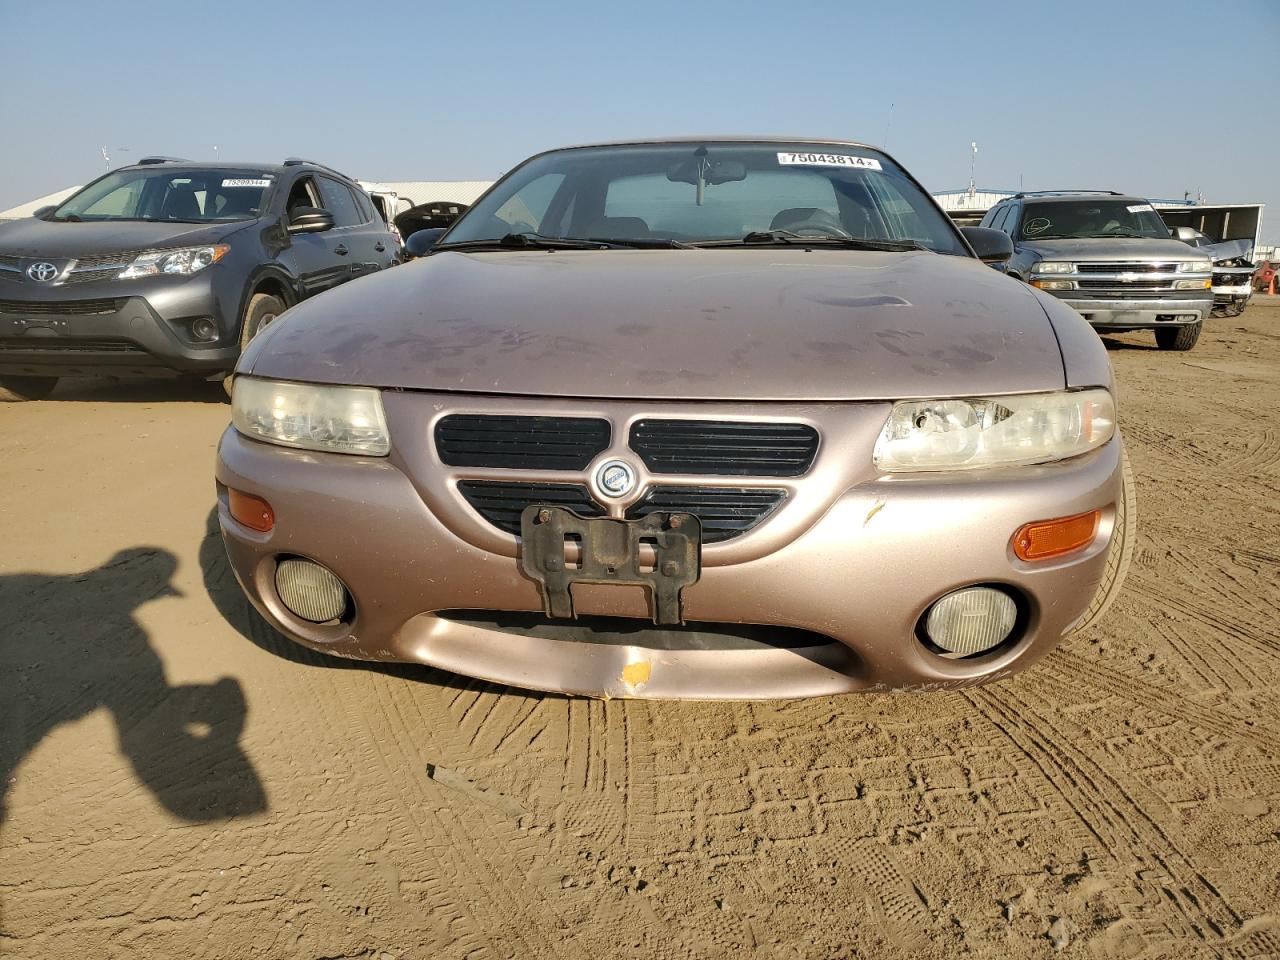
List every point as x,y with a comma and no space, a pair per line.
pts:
170,267
1111,257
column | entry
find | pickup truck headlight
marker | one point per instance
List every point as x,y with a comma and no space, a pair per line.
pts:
1053,266
181,261
926,435
311,416
1195,266
1204,284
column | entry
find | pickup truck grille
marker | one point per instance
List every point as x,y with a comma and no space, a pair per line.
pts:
1134,267
1126,286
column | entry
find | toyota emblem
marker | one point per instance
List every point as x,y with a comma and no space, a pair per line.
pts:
616,478
42,272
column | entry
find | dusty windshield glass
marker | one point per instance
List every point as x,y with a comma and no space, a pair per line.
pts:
688,193
183,195
1092,218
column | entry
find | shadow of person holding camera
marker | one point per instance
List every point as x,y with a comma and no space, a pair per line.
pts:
71,643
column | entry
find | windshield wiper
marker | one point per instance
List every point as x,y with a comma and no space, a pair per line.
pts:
524,240
1127,236
662,243
763,237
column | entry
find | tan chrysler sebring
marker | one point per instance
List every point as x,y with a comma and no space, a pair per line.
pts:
704,418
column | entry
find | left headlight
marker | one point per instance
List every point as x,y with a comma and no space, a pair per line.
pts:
181,261
924,435
1195,266
311,416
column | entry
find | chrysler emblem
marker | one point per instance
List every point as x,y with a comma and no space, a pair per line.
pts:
616,478
42,272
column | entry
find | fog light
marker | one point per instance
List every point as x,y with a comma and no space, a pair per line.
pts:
310,591
972,620
204,329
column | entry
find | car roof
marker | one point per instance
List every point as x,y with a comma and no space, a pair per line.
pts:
237,165
1069,197
719,138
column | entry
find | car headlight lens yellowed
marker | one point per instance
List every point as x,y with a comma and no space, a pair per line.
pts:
928,435
311,416
1195,266
1192,284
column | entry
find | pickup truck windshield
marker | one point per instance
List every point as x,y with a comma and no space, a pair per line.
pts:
167,194
718,193
1092,218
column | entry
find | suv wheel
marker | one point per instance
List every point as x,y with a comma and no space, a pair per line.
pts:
1179,338
1124,538
262,309
26,388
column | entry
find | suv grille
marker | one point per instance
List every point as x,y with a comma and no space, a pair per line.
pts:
1138,267
50,308
529,443
502,503
726,448
725,512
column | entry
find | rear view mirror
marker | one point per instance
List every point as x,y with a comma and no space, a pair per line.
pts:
310,220
420,242
991,246
714,171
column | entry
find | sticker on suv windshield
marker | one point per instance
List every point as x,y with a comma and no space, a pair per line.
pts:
1038,225
246,183
1139,207
827,160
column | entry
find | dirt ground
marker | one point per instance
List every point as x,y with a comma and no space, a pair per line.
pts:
173,786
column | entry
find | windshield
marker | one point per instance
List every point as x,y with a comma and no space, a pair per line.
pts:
185,195
689,193
1092,218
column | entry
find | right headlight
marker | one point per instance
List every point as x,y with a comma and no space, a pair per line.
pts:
1195,266
1053,266
924,435
311,416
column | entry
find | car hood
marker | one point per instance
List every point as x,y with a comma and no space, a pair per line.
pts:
59,239
1112,248
714,324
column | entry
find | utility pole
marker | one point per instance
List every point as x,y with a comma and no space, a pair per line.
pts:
973,160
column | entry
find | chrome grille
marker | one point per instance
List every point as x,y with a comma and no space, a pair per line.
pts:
1128,267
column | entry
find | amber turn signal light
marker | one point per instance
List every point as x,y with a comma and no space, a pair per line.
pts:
1055,538
254,512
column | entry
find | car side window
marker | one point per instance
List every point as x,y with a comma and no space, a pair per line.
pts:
339,201
302,194
995,218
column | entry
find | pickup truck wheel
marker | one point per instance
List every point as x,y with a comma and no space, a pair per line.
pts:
15,389
261,310
1179,338
1124,538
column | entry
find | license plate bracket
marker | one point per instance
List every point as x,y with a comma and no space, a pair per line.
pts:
611,552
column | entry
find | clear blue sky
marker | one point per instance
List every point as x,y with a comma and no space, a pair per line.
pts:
1121,95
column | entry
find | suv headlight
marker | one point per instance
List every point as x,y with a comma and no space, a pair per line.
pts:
1195,266
922,435
182,261
1053,266
311,416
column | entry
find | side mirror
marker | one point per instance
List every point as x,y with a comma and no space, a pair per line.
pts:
310,220
420,242
991,246
1185,234
42,212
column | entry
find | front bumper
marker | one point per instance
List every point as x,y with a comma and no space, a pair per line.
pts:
1134,314
857,573
114,328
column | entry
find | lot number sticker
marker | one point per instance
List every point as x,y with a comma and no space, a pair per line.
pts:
1140,207
827,160
246,183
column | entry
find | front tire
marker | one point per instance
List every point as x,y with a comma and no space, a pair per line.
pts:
17,389
262,309
1124,538
1179,338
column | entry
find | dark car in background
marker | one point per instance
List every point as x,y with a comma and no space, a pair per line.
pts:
171,267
